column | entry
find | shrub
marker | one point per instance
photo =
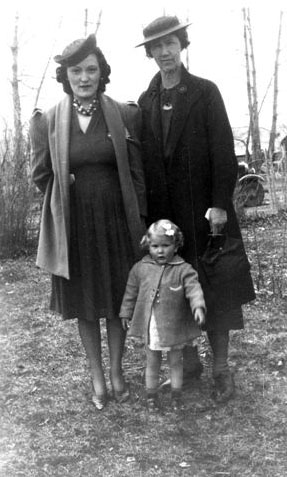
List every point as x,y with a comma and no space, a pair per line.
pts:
17,234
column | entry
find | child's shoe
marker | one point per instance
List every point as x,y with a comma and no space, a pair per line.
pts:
176,401
152,402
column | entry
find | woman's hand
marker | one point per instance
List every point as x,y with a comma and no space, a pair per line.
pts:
217,220
199,316
125,323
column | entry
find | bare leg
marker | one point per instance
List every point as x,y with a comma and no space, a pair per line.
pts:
176,369
153,363
90,333
116,342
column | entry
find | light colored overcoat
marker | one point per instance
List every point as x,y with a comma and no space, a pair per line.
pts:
50,136
172,290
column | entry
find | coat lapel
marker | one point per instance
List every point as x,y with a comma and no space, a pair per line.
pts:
153,105
53,251
116,128
62,142
155,116
118,133
188,93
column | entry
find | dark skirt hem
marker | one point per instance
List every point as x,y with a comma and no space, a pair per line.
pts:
225,321
75,316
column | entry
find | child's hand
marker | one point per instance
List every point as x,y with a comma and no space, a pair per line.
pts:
125,323
199,316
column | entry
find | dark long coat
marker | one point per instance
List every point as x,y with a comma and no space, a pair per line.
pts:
201,169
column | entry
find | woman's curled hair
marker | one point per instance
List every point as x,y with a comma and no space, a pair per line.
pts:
105,69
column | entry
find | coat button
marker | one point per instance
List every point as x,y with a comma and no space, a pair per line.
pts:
182,89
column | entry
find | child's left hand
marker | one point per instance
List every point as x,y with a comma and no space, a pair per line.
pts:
199,316
125,323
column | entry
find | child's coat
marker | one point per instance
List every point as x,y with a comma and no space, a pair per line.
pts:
173,290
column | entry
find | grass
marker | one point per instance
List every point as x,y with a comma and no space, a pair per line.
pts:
49,426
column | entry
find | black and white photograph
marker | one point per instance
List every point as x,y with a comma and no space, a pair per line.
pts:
143,238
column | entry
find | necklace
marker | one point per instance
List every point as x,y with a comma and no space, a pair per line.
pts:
85,111
167,100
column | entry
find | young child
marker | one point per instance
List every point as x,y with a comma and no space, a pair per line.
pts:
163,304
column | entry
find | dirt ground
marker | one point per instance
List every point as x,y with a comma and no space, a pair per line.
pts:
49,426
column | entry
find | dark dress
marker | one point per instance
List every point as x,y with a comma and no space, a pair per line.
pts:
100,247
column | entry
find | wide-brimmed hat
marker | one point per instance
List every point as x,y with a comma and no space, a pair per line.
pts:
160,27
77,51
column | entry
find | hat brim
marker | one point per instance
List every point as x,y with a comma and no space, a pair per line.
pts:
77,55
151,38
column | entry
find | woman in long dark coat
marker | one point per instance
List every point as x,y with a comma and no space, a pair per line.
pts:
191,169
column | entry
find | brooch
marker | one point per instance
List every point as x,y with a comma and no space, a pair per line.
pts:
167,107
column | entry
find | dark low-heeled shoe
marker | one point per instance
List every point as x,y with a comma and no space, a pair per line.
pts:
176,402
224,387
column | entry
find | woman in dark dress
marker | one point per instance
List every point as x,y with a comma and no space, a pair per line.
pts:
86,161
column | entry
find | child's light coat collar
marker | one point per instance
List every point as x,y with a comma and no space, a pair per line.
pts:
176,260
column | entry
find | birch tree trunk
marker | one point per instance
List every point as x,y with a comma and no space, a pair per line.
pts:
255,131
273,131
39,89
15,87
248,81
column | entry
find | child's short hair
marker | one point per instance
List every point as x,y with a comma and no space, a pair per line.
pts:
163,227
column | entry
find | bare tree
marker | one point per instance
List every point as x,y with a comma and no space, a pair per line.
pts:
254,131
248,79
15,85
273,131
98,22
46,67
87,22
15,187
